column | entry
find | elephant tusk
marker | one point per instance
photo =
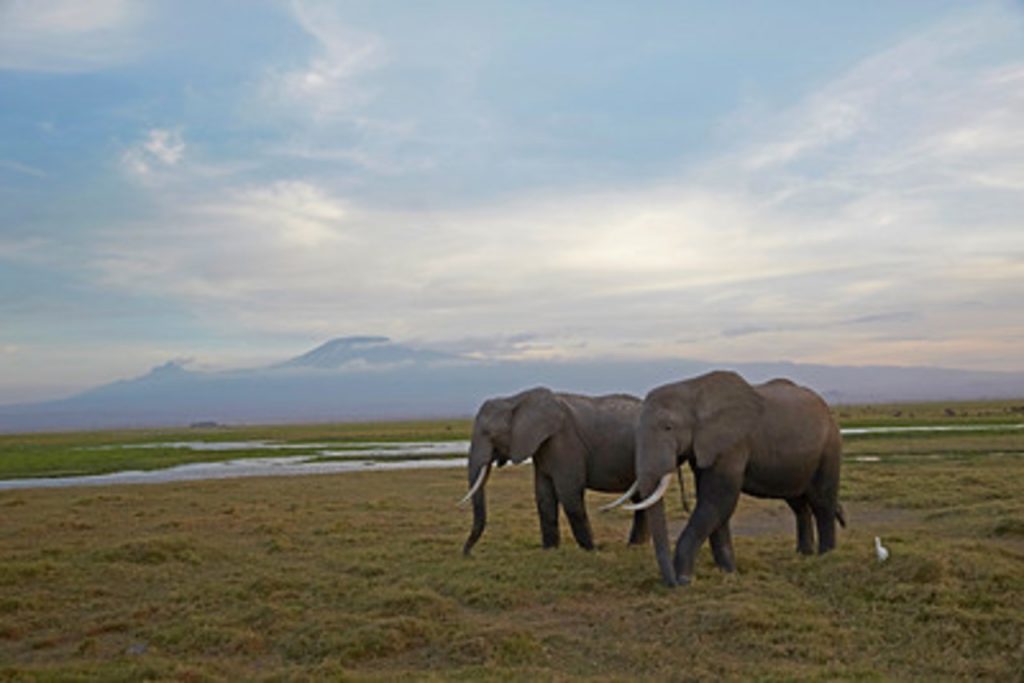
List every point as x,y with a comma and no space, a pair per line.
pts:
654,497
622,499
476,485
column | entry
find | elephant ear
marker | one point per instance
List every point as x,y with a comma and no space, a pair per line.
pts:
535,418
727,410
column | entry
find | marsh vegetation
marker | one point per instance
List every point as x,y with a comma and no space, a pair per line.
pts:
93,453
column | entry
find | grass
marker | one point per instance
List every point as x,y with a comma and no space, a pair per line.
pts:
934,413
359,577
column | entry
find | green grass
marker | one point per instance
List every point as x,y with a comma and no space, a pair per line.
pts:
359,577
936,413
934,444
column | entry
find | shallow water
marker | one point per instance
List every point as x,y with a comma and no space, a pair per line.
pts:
395,450
231,469
376,449
326,459
930,428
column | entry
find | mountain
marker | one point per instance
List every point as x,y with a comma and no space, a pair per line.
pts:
361,352
354,378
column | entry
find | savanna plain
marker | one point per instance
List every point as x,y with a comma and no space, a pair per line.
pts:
360,576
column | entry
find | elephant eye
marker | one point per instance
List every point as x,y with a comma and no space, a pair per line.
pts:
667,427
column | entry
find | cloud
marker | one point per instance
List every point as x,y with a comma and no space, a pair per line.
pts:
881,208
331,105
160,150
293,213
326,86
23,169
67,35
26,249
907,77
509,346
913,137
254,244
165,145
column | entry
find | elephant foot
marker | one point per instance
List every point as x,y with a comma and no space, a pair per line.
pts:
725,562
684,580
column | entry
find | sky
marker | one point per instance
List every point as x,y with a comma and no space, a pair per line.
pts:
230,183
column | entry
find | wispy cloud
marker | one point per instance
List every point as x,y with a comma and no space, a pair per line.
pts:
23,169
326,86
67,35
330,100
161,149
906,78
23,249
290,213
270,241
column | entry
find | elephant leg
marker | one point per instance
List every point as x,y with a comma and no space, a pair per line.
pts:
824,497
640,532
804,527
721,548
571,498
547,508
717,495
825,517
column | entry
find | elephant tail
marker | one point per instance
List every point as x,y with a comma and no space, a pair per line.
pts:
840,514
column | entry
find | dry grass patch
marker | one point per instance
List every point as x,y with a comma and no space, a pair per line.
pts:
359,576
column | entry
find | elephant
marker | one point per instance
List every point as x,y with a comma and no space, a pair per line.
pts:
773,440
576,442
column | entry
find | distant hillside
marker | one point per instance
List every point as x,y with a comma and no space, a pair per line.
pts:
361,352
355,378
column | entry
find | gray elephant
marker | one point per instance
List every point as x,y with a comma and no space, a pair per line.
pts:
576,442
774,440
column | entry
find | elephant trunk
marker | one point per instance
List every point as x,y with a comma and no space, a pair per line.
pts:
659,534
655,462
480,456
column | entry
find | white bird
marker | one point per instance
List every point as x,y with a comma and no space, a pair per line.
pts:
881,552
